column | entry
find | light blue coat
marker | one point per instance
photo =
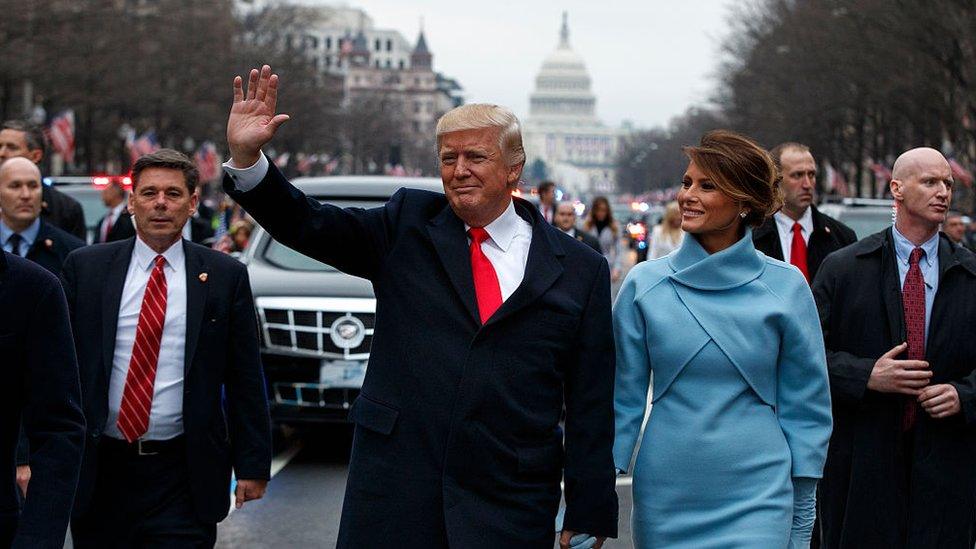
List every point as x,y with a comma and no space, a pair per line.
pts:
733,311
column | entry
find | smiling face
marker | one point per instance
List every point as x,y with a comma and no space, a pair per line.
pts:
161,203
477,180
704,208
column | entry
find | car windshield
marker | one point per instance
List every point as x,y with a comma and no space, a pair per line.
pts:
90,199
866,221
283,257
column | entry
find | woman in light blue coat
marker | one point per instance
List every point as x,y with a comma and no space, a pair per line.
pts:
737,436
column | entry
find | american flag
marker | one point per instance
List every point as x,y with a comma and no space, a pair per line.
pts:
960,174
145,144
207,162
61,132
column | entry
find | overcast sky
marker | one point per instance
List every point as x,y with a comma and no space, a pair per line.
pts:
648,59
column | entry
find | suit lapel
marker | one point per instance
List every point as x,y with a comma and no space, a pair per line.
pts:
891,283
116,269
446,230
541,269
767,238
196,301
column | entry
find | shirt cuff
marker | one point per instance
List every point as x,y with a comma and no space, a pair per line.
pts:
246,179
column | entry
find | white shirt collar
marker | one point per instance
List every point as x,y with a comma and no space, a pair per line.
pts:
144,255
785,223
117,210
503,229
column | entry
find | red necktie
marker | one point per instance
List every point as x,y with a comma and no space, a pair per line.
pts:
107,227
798,250
141,380
486,286
913,305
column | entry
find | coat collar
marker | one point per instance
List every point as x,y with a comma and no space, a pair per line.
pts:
734,266
949,256
542,267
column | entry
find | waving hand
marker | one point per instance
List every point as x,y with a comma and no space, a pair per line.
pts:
252,121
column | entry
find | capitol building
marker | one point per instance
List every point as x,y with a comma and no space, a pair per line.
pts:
562,129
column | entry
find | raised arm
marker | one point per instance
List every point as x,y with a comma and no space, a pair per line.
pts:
353,240
252,121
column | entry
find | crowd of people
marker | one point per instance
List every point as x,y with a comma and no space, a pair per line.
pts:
807,388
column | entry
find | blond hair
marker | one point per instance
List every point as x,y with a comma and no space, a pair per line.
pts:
477,116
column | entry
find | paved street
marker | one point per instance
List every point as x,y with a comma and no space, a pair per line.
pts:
304,498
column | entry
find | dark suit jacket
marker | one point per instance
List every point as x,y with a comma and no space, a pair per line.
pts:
863,492
122,228
63,212
828,236
49,250
588,239
457,438
52,246
41,388
200,230
225,407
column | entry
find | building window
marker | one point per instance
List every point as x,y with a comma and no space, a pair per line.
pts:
389,45
401,64
388,63
328,60
328,42
377,45
417,107
377,63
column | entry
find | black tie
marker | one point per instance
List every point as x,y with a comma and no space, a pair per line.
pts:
14,241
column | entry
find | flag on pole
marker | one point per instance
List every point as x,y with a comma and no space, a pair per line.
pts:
207,162
61,132
145,144
835,180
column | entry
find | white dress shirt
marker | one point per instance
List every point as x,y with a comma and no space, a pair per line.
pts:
784,226
507,248
166,415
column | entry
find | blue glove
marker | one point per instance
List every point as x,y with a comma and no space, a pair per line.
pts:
804,511
582,541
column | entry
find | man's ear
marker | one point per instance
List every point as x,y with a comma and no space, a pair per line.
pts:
35,156
514,174
895,187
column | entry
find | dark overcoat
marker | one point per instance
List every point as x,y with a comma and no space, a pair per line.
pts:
41,388
457,441
52,246
829,235
872,494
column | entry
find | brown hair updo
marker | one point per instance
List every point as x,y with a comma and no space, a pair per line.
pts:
742,170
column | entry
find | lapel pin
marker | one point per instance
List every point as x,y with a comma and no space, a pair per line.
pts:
48,243
827,229
203,277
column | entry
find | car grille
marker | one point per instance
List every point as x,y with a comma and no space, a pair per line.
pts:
314,395
334,328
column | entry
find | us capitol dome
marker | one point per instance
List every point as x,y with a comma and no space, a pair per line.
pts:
563,130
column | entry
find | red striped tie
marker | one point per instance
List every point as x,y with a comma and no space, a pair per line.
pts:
141,380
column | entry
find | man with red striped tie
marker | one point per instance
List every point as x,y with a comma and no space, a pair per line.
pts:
172,385
800,234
